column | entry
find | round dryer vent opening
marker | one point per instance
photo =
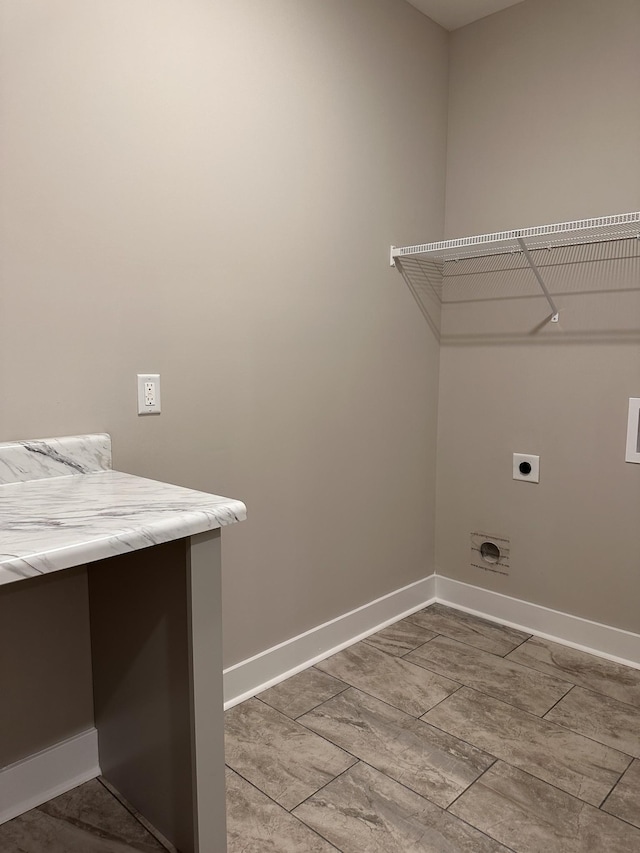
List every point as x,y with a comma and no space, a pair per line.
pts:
490,552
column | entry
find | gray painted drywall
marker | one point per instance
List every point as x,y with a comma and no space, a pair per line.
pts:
544,126
45,663
209,191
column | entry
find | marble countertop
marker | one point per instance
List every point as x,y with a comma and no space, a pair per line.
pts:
63,519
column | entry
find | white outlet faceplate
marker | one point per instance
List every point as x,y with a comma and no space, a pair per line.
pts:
633,431
526,467
148,393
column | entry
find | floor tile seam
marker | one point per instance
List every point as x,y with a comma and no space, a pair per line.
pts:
315,793
280,806
635,708
539,719
335,695
295,719
284,808
467,822
411,718
457,640
603,803
163,842
328,740
384,702
393,658
484,693
613,787
623,820
573,684
368,639
384,773
523,769
426,799
466,643
311,731
595,740
519,646
498,657
471,784
551,785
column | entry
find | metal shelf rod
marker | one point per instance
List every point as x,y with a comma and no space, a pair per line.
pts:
536,272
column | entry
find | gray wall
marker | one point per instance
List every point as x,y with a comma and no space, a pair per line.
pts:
209,191
544,126
45,663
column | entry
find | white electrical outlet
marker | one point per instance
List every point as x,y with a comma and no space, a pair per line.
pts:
148,393
526,467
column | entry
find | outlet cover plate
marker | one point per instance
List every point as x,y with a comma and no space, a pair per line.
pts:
534,475
143,406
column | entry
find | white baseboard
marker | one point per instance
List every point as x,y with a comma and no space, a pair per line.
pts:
47,774
255,674
593,637
44,775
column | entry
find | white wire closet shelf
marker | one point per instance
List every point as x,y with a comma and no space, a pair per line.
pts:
525,241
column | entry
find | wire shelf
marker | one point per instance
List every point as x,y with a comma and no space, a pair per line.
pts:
622,226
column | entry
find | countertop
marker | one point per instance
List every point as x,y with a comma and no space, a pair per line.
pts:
79,510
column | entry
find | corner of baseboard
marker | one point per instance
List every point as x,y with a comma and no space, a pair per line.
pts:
40,777
595,638
252,676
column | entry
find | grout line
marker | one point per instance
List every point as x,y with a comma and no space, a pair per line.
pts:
468,823
485,652
141,819
522,769
390,704
564,696
636,708
471,784
324,701
523,643
498,698
309,710
280,806
592,739
436,805
566,677
322,787
562,791
357,760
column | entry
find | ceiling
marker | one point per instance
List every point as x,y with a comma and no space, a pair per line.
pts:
452,14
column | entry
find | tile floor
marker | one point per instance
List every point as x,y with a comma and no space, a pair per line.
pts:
444,733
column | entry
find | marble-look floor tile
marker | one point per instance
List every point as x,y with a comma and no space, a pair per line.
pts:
425,759
485,635
603,676
302,692
601,718
400,638
570,761
255,824
531,816
406,686
279,756
365,812
87,819
624,800
503,679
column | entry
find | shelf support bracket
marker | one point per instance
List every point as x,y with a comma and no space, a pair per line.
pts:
536,272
